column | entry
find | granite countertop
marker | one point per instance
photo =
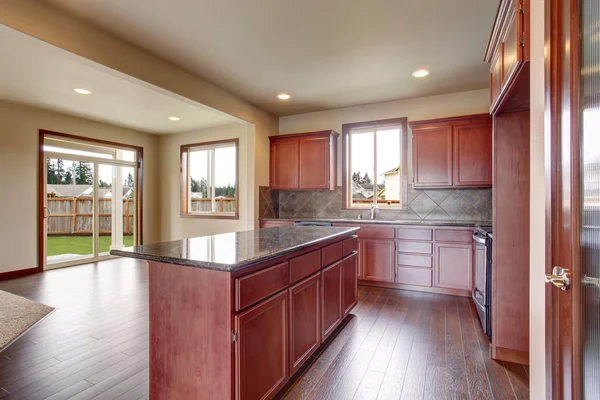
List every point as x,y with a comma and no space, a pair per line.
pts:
232,251
475,224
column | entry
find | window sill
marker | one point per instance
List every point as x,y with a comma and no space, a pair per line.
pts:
209,216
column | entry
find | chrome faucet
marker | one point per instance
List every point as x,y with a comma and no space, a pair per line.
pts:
373,209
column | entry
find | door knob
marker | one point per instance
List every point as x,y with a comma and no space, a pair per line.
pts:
560,277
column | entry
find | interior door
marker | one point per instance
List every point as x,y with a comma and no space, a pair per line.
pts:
573,298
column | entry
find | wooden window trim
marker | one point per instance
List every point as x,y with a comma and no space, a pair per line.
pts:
139,195
183,179
346,128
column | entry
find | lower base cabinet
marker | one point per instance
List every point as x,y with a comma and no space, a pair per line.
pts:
453,266
305,320
349,283
331,298
378,260
261,349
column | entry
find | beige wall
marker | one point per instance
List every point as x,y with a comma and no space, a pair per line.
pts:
19,185
537,302
449,105
40,20
173,226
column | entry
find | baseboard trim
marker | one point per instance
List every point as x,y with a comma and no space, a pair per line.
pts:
4,276
510,355
414,288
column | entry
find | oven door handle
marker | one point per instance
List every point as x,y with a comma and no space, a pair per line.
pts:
477,237
475,297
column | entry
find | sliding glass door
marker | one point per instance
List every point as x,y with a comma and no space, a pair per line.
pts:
90,202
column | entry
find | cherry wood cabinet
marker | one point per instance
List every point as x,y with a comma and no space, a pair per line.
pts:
261,350
432,156
305,320
349,283
331,298
285,167
452,152
508,55
304,161
453,266
378,260
314,162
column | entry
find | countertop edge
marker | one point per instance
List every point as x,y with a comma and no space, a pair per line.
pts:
469,224
228,267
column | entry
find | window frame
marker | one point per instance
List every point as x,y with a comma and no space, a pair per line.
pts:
347,186
185,177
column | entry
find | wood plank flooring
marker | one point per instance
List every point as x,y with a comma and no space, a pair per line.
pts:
398,345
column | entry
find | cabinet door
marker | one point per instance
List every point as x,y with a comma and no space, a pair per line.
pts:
349,283
473,154
261,349
305,320
378,260
314,163
360,273
454,266
496,75
432,156
331,298
511,42
284,164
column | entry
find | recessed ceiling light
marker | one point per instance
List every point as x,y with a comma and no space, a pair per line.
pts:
420,73
83,91
174,118
283,96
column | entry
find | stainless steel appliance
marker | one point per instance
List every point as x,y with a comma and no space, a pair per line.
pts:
313,223
482,290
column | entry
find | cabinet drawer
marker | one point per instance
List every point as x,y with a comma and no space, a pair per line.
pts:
259,285
414,260
376,233
332,253
414,247
414,234
305,265
454,235
350,245
414,276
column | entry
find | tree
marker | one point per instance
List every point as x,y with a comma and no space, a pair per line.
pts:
200,186
366,180
103,184
60,170
51,172
195,186
67,178
129,181
83,173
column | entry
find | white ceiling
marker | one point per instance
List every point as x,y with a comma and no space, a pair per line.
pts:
325,53
41,75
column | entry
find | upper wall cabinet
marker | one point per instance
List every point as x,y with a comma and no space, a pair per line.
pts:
304,161
508,55
452,152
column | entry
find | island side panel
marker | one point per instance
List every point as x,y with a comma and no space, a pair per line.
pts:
190,333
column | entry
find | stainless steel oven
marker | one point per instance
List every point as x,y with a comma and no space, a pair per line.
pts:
482,290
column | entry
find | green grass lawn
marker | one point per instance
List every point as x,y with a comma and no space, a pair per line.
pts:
80,244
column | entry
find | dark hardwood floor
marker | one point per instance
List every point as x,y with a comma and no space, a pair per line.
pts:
398,344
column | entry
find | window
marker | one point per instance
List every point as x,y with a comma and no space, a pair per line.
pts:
209,186
374,163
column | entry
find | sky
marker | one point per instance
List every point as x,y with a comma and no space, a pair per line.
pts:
225,165
388,152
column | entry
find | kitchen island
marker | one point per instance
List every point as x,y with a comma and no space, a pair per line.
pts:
236,315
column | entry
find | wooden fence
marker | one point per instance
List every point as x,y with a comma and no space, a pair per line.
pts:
224,204
74,216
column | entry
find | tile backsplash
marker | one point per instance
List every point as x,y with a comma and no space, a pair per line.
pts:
429,204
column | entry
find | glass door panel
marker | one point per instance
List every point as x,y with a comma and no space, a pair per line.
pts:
590,195
69,211
116,208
